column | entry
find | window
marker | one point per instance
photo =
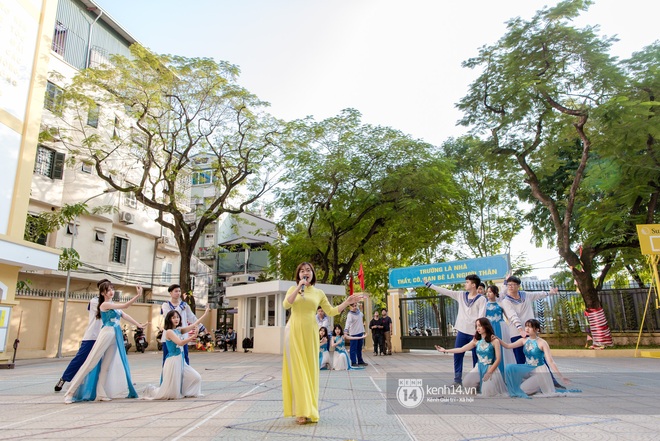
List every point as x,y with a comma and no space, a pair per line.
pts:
59,38
202,177
166,276
93,115
115,130
32,230
266,311
130,200
98,57
54,98
119,250
87,167
71,229
99,236
49,163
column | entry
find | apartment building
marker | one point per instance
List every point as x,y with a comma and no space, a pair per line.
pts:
26,33
123,242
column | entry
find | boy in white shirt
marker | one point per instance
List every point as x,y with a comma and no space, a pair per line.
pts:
470,304
519,307
187,316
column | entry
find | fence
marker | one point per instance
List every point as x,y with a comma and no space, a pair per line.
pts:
558,314
122,298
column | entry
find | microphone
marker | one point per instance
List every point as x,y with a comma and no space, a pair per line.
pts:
302,289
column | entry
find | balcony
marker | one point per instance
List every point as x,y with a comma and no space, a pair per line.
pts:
235,262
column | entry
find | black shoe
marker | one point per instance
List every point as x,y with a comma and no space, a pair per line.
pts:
59,385
354,365
363,364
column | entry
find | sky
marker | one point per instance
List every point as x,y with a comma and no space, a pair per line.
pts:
398,62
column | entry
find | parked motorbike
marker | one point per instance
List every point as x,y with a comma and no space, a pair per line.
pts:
127,344
159,336
141,342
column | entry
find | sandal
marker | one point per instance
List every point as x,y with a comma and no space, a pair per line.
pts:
301,420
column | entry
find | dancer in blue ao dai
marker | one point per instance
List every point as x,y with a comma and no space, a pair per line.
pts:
485,375
494,312
324,349
178,379
533,377
341,361
105,373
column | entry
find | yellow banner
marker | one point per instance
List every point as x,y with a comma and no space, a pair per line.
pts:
649,238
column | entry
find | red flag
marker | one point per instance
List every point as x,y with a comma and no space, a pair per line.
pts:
350,285
361,277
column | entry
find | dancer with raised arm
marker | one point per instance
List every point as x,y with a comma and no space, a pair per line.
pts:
533,377
105,374
485,375
178,379
88,340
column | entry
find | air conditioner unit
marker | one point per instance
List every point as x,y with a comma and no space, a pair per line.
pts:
189,218
166,240
126,217
241,279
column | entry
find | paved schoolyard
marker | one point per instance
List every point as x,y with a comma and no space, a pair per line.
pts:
243,402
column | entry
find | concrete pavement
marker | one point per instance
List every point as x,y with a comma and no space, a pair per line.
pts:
243,402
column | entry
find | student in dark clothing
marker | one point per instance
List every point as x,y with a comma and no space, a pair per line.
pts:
376,326
387,331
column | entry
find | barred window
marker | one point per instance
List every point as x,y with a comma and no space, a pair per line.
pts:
54,98
59,38
119,250
49,163
32,233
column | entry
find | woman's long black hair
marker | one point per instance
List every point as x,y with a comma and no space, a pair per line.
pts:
485,323
168,319
104,285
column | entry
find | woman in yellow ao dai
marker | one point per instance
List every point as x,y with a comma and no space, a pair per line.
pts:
300,365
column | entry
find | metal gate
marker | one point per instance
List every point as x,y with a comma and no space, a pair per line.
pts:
427,321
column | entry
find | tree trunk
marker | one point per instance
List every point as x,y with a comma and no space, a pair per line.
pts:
184,271
585,285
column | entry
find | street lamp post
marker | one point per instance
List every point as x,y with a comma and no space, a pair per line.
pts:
68,273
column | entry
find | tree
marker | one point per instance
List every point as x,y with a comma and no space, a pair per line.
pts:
535,97
347,186
489,217
175,121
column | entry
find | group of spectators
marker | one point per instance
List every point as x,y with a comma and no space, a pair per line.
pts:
381,333
380,326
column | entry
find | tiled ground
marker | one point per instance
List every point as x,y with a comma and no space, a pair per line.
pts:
243,402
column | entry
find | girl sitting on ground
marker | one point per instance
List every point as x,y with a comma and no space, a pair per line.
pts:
485,376
178,379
